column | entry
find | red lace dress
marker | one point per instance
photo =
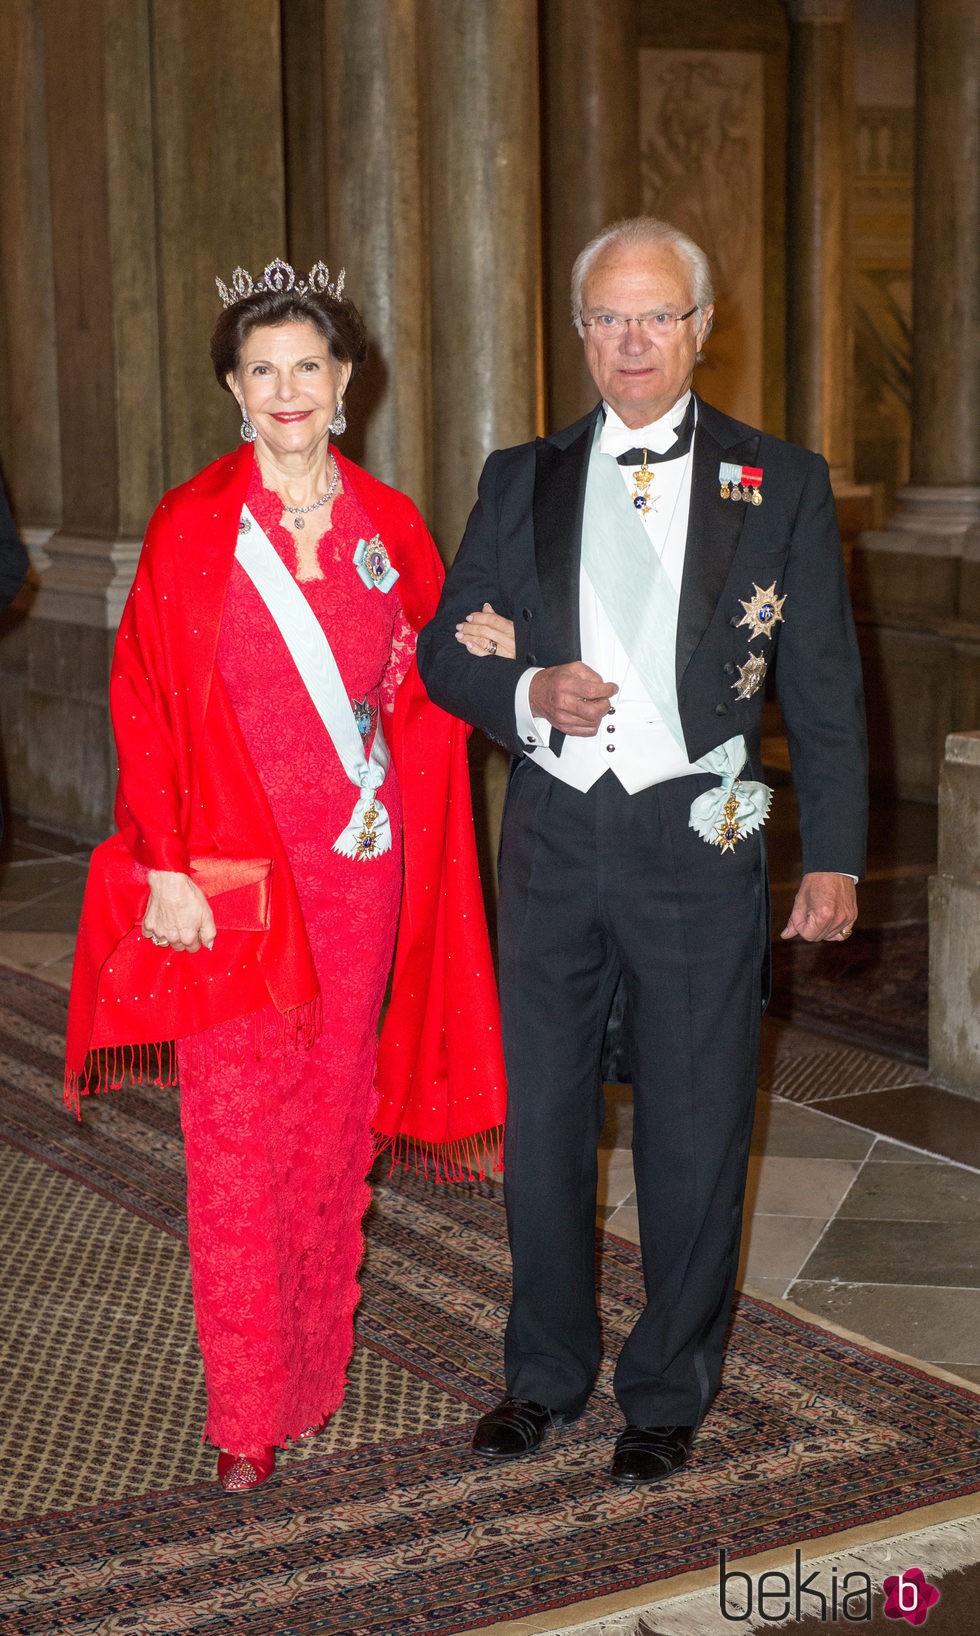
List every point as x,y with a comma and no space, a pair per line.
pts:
278,1145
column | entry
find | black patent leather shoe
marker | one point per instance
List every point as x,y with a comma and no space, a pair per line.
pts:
648,1454
513,1429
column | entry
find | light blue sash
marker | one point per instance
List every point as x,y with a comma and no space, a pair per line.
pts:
368,833
642,606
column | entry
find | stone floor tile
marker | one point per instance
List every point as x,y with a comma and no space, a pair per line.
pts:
897,1252
770,1289
786,1130
921,1116
57,911
14,849
779,1186
616,1182
618,1128
29,951
777,1246
940,1325
23,882
57,971
917,1191
886,1152
968,1371
22,833
625,1222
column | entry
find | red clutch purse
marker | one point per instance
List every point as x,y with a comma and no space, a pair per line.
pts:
237,890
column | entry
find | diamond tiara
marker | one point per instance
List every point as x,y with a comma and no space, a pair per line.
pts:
280,278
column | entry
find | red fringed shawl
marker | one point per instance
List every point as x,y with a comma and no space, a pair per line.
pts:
188,791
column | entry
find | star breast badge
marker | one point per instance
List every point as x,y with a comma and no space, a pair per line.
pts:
762,611
751,676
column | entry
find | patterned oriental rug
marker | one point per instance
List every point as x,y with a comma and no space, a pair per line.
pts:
873,991
385,1526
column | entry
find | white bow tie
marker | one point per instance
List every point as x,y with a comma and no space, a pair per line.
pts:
658,437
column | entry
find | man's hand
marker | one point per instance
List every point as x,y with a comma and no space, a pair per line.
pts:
573,698
178,913
825,908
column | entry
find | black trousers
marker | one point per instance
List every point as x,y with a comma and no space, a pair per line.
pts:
594,886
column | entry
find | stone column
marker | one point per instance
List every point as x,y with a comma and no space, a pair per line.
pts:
592,164
165,166
304,126
97,64
954,922
94,57
821,146
483,164
29,439
218,153
917,581
942,500
30,454
377,210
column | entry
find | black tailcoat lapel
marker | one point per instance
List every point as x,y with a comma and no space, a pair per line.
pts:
714,525
558,508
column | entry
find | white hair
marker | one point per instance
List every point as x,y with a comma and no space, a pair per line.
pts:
634,230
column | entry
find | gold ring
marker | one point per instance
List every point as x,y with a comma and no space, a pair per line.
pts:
491,646
846,932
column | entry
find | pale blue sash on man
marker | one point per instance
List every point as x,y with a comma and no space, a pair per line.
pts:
369,831
642,606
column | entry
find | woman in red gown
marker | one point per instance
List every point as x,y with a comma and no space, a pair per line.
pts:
230,760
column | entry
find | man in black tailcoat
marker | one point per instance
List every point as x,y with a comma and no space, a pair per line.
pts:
646,567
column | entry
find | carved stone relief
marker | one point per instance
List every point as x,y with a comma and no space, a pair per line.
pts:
701,123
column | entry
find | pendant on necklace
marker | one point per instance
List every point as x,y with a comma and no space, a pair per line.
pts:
298,522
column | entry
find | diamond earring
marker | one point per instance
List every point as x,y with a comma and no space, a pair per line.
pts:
339,423
249,434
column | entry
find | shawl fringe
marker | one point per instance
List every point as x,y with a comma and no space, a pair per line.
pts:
470,1159
113,1066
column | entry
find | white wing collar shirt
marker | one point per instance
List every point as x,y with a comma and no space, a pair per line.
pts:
634,742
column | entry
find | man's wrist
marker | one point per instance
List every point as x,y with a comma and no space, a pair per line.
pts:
533,731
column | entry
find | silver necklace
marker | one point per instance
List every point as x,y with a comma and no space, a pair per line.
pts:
299,512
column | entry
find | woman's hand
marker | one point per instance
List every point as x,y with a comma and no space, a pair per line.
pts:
486,633
178,914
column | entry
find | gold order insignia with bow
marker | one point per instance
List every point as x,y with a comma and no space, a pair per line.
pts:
729,830
762,611
366,844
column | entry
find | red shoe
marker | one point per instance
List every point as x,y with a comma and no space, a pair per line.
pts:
237,1471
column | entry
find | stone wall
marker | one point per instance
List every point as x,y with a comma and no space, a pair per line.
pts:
954,923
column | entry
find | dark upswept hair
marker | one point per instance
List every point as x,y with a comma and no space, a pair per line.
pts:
339,322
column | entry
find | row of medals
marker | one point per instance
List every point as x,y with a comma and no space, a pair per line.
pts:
644,502
733,491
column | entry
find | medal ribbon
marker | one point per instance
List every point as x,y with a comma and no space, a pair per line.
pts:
369,831
752,800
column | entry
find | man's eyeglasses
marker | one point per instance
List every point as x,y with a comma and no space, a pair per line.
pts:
610,324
